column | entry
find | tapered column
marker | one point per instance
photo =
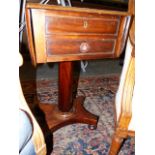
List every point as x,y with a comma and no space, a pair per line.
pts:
65,98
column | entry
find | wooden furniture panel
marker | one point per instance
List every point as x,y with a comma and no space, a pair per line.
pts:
39,35
71,24
76,33
60,45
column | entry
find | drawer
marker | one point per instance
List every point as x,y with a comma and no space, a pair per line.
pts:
69,24
80,45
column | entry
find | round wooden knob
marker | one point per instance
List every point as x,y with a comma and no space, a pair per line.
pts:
84,47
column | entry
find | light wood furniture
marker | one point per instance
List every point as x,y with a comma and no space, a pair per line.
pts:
64,34
37,135
125,120
124,115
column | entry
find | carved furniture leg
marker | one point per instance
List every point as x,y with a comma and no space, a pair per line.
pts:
69,110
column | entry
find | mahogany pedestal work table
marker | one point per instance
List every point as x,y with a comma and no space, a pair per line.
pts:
64,34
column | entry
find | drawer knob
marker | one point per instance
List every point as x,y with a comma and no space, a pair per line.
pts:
84,47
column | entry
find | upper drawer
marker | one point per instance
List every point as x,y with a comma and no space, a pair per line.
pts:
70,24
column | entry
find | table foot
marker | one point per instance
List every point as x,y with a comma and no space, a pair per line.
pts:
57,119
92,127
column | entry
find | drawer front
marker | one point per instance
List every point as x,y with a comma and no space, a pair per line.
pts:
60,46
65,24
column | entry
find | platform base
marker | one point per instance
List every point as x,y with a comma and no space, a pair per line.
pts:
57,119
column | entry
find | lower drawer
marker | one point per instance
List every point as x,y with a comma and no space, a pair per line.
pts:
76,45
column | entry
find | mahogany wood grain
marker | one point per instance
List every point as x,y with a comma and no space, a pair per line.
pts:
74,46
72,24
55,26
65,86
39,39
122,35
57,119
81,56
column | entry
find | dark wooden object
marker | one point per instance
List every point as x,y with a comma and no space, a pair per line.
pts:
57,119
65,86
63,34
58,33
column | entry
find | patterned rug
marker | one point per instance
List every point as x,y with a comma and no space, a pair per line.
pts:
78,139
